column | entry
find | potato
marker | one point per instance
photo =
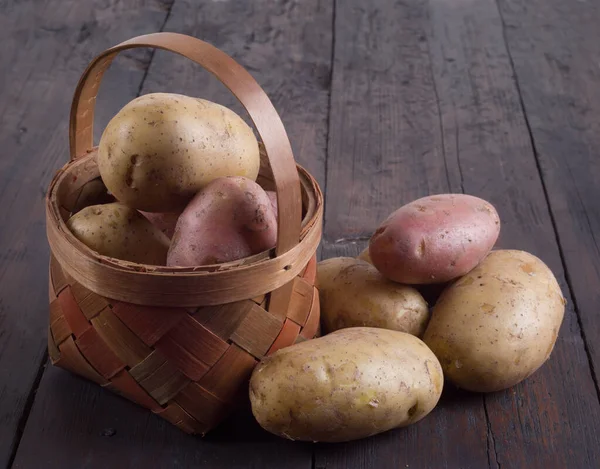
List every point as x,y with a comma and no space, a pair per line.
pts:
353,293
429,291
328,269
165,222
498,324
229,219
162,148
434,239
116,230
347,385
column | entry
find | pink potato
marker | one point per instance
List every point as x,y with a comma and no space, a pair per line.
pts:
165,222
435,239
231,218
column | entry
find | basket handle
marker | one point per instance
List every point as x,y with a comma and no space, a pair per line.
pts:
240,83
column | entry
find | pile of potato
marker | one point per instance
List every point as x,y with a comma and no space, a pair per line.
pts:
494,324
181,172
179,190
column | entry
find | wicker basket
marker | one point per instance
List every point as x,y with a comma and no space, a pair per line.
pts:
181,341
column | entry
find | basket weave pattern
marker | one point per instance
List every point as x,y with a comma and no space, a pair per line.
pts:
185,365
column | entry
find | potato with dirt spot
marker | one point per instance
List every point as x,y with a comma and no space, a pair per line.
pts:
353,293
434,239
231,218
498,324
119,231
350,384
162,148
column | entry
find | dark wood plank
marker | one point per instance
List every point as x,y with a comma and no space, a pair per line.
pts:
556,52
385,149
486,134
108,431
456,431
44,46
423,100
286,46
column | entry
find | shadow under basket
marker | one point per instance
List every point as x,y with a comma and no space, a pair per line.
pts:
182,342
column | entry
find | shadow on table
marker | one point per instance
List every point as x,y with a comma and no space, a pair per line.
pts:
73,422
455,397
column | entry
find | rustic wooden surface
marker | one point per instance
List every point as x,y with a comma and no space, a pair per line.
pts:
384,102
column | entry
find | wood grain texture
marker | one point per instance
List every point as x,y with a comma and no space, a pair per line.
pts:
286,46
485,132
454,435
560,45
423,100
458,71
117,433
44,46
385,149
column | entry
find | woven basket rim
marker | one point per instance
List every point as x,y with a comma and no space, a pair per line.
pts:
287,265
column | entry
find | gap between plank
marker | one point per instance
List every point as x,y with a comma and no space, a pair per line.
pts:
313,462
153,51
27,409
439,111
42,366
332,64
490,436
550,211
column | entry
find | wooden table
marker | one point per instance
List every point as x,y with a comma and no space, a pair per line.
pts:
384,101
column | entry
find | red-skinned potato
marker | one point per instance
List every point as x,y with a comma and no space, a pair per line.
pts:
231,218
435,239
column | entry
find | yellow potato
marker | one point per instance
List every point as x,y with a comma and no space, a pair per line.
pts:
347,385
329,268
116,230
353,293
430,292
162,148
498,324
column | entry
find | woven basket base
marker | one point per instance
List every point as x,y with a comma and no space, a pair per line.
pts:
190,366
